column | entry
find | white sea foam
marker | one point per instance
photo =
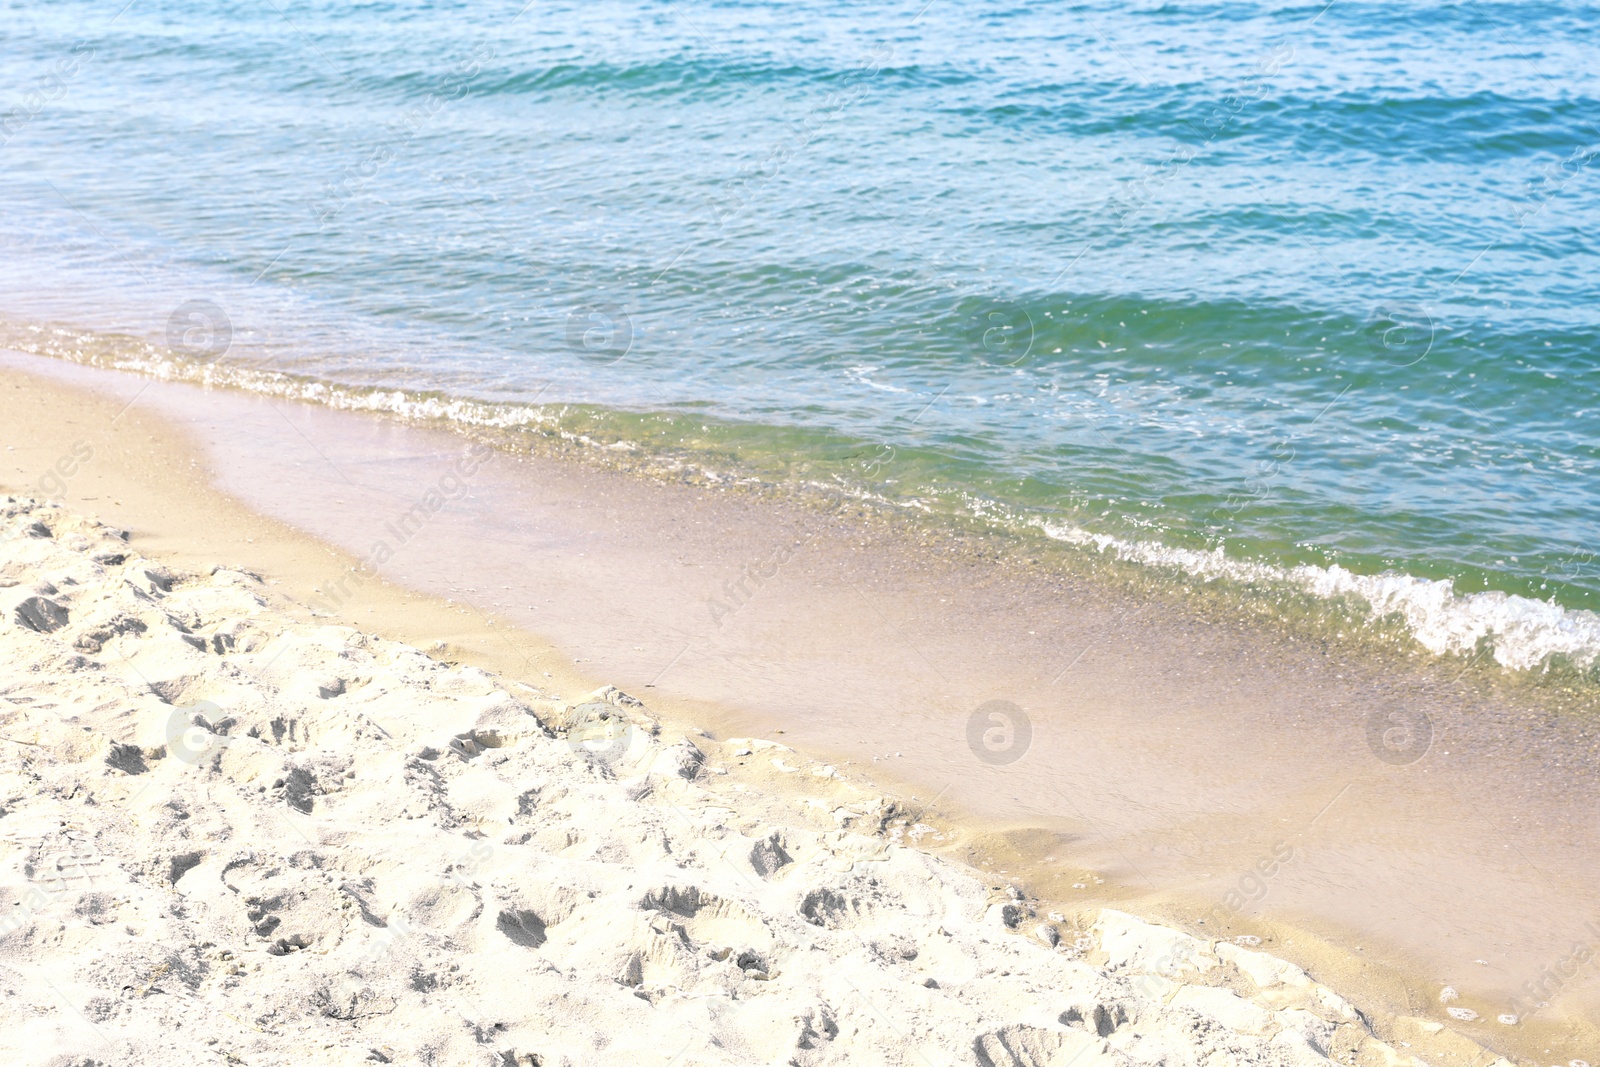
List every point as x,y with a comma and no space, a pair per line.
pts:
1523,633
407,404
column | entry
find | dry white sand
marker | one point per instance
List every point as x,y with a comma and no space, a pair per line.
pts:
235,838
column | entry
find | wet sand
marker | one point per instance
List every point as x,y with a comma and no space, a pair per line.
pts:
1171,758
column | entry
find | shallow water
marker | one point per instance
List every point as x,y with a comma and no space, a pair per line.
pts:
1305,284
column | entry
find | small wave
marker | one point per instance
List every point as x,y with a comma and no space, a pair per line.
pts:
1485,126
667,75
1523,633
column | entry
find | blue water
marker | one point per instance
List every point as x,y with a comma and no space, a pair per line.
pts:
1314,285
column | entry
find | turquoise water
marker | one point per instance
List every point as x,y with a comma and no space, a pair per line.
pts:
1299,293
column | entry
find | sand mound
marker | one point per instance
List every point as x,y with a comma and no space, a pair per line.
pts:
232,838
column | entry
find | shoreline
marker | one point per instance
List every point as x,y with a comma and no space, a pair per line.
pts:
476,635
1534,638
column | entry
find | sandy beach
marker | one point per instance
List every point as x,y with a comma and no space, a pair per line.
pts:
244,830
237,838
804,532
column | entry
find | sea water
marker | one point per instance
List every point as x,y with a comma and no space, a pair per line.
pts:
1279,295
